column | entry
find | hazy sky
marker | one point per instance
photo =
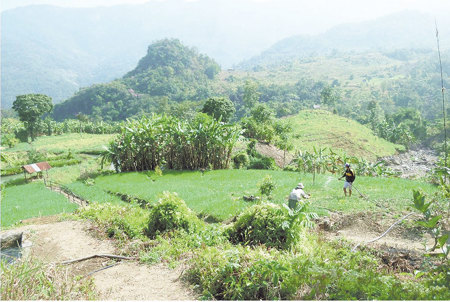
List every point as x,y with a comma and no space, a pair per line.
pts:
325,13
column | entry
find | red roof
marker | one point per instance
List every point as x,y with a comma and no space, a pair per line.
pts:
37,167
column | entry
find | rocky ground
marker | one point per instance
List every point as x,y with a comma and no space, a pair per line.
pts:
412,164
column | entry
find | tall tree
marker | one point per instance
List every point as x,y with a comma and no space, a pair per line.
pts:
251,95
30,108
219,107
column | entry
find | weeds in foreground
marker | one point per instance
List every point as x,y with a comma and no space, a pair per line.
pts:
29,279
309,269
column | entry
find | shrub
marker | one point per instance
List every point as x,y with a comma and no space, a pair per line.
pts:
171,213
312,270
266,186
121,221
219,108
267,223
9,140
35,156
240,160
262,163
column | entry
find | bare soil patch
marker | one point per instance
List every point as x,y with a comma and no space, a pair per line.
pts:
54,242
362,227
400,250
277,154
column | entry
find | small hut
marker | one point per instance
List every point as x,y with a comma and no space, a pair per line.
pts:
36,168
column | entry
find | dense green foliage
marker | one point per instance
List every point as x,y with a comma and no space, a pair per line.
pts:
170,72
166,141
170,213
326,160
219,108
270,224
311,269
120,221
30,108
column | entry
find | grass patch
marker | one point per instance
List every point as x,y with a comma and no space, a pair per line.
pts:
313,128
69,174
89,143
29,279
219,193
31,200
92,193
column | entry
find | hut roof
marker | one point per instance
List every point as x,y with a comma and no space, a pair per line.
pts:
37,167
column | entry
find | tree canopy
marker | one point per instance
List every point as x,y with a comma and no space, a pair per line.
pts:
219,107
30,108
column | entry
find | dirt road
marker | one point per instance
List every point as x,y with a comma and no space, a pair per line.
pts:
55,242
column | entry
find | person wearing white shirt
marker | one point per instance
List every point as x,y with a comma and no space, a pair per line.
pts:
296,195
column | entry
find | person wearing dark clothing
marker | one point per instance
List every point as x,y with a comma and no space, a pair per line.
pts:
349,179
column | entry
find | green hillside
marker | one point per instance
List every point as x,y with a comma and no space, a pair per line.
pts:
169,72
319,128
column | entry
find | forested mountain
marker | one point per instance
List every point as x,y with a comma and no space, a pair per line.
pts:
57,51
169,72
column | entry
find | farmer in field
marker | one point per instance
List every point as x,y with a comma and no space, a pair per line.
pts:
296,195
349,179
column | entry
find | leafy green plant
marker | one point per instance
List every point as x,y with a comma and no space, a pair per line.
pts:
35,156
266,186
172,143
262,163
431,223
323,160
240,160
171,213
122,221
9,139
269,224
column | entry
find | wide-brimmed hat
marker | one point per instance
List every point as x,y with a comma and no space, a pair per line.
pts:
300,185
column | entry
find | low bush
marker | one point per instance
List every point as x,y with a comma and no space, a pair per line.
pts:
119,221
312,270
240,160
171,213
269,224
262,163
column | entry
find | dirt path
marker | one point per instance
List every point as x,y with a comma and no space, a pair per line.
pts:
59,241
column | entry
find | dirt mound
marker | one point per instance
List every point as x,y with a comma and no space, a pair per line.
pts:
275,153
54,242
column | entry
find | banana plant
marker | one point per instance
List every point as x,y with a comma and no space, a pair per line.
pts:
431,223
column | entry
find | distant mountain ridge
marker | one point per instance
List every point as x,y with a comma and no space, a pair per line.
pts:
404,30
57,51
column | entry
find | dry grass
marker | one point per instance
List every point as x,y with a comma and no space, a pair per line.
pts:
29,279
